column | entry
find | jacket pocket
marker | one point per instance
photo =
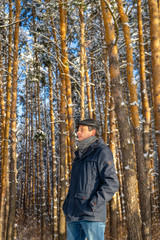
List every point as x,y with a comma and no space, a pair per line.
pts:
82,204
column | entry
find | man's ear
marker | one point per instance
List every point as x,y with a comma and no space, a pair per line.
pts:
93,132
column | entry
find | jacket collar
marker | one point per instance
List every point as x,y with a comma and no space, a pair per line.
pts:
90,149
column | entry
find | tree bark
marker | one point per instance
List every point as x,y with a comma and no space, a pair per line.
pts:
13,163
62,225
130,176
65,67
82,60
4,201
155,49
54,162
114,202
144,193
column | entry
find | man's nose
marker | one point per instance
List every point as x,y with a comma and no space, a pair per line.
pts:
77,132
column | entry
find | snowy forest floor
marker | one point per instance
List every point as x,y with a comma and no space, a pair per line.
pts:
28,229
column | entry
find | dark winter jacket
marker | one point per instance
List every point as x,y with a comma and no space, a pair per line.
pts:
93,183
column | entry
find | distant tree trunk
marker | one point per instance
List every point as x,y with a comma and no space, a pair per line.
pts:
42,191
48,170
54,162
32,158
155,49
88,91
2,109
26,191
99,107
4,201
114,202
144,192
88,88
130,176
37,163
37,158
68,152
41,205
82,59
107,97
13,163
93,90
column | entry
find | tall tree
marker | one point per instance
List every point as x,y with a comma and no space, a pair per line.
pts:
114,202
82,59
145,100
155,49
4,201
54,162
142,183
62,228
2,104
130,176
13,162
65,67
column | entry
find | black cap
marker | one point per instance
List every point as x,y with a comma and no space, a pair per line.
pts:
89,122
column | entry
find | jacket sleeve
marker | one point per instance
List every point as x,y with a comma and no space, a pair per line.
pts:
109,181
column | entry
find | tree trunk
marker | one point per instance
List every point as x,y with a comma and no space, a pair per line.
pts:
62,228
144,192
155,49
2,109
114,202
65,66
82,59
88,89
4,201
13,163
32,158
130,176
54,162
62,225
145,101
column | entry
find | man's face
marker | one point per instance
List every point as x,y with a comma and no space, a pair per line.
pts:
83,132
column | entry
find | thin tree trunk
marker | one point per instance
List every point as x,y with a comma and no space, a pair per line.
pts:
114,202
42,191
26,192
32,157
93,90
99,108
2,107
82,59
54,162
48,170
88,89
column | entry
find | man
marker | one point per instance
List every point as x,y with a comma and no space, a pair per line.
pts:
93,183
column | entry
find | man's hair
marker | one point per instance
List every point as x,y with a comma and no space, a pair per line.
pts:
91,123
97,131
